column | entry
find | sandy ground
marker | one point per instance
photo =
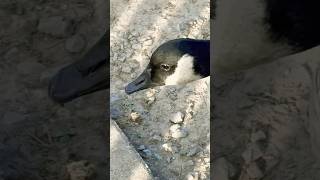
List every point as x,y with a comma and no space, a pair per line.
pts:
266,121
37,137
172,130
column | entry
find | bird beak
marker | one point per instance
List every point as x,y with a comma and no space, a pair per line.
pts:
142,82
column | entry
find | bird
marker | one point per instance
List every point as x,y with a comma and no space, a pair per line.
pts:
84,76
174,62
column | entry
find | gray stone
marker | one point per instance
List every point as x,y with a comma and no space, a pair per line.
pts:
147,153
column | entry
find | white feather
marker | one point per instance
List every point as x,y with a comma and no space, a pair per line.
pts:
184,72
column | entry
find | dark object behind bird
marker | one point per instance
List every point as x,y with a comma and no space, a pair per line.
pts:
85,76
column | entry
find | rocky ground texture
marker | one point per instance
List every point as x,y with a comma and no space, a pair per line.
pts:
38,138
169,126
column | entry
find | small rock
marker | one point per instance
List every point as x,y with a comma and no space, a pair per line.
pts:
156,138
258,136
150,93
75,44
55,26
254,171
175,127
135,117
148,42
147,153
151,100
178,132
170,148
157,156
177,117
141,147
81,170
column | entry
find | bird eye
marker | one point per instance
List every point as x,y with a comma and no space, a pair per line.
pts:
165,67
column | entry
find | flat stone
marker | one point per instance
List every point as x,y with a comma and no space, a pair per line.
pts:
125,162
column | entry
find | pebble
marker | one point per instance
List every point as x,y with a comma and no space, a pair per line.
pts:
141,147
157,156
168,147
258,136
151,100
177,117
148,42
178,132
147,153
135,117
156,138
75,44
55,26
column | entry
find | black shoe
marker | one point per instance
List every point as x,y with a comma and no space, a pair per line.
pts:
82,77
